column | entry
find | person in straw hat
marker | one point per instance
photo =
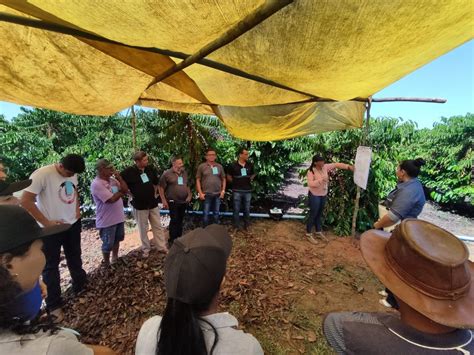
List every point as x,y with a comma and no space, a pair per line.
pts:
429,272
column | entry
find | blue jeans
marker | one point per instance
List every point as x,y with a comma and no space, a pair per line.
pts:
316,207
70,240
211,201
241,198
111,236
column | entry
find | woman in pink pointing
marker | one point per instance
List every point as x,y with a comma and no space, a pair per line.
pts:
318,178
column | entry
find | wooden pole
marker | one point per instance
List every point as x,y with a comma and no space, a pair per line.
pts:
364,139
410,99
360,99
134,129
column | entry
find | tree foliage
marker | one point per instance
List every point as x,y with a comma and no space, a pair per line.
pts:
37,137
447,149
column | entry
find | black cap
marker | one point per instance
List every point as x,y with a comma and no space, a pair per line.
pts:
196,264
18,227
7,189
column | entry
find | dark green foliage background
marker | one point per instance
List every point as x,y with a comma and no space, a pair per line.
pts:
38,137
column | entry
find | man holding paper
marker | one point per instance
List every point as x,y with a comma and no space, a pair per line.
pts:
175,196
107,190
53,199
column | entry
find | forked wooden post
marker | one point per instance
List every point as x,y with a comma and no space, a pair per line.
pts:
365,136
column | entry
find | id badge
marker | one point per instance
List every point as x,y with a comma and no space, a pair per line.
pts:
215,171
114,189
243,172
144,178
180,180
69,188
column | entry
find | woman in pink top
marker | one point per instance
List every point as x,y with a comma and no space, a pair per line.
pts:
318,178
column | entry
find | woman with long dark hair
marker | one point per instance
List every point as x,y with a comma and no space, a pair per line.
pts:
21,264
191,325
405,201
318,180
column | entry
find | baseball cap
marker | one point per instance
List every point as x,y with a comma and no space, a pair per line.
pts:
9,188
103,163
18,227
196,264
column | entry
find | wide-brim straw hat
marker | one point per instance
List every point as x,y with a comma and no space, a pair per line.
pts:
426,267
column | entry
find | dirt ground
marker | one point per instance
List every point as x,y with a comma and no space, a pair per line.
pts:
292,192
278,285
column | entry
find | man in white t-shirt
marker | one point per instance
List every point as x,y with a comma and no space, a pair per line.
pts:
53,198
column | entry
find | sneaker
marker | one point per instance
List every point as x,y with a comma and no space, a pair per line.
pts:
145,254
310,238
320,235
383,293
57,315
384,303
114,259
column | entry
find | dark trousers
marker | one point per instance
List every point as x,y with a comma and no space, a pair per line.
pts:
211,202
241,198
177,212
70,240
316,208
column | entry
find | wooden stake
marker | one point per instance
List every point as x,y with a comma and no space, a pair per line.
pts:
365,136
134,129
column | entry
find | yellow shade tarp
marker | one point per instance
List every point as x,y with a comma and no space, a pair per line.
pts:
338,50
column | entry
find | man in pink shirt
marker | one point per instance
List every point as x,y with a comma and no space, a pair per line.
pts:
107,190
318,179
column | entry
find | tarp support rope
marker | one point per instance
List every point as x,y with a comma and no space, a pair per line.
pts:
261,14
52,27
48,26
